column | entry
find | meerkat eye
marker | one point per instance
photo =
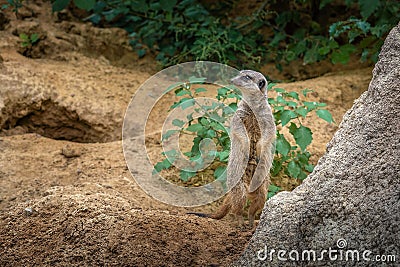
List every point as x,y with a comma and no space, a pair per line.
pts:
247,77
261,84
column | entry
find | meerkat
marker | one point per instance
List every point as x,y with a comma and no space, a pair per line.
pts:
252,136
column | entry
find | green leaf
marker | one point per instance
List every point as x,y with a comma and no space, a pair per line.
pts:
219,173
293,169
333,44
195,127
310,105
187,103
309,167
178,122
217,126
139,6
281,100
59,5
294,95
199,90
165,164
301,111
324,50
325,115
342,55
279,90
302,175
141,52
276,166
223,156
278,36
306,91
173,86
311,55
222,91
282,145
168,5
204,121
168,134
85,4
185,175
194,80
24,37
34,38
292,104
270,85
302,135
211,133
272,190
363,26
181,92
323,3
228,110
286,116
367,7
290,56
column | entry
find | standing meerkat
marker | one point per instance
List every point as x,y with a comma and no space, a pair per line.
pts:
252,136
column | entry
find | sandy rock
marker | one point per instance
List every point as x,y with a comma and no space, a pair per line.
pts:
351,202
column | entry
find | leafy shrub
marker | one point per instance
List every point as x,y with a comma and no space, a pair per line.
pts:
177,31
186,30
288,108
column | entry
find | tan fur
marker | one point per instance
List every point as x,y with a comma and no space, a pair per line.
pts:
253,131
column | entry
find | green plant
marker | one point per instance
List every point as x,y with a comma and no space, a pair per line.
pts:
209,125
16,4
288,110
29,40
301,32
272,190
276,31
177,31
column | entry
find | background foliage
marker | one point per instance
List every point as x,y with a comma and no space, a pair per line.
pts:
276,31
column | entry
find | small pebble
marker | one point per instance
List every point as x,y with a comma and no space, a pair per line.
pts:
28,211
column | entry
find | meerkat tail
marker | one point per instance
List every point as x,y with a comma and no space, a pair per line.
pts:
221,213
199,214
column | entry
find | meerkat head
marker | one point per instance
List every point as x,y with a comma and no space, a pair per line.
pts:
250,81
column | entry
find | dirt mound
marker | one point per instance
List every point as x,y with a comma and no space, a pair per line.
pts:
65,100
80,201
100,229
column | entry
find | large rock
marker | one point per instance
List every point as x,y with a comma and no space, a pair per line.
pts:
351,202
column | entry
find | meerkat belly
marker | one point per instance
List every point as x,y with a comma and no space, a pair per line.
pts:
254,134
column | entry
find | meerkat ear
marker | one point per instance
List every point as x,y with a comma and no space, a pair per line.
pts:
261,84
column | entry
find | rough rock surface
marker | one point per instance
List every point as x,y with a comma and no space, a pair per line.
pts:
351,202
